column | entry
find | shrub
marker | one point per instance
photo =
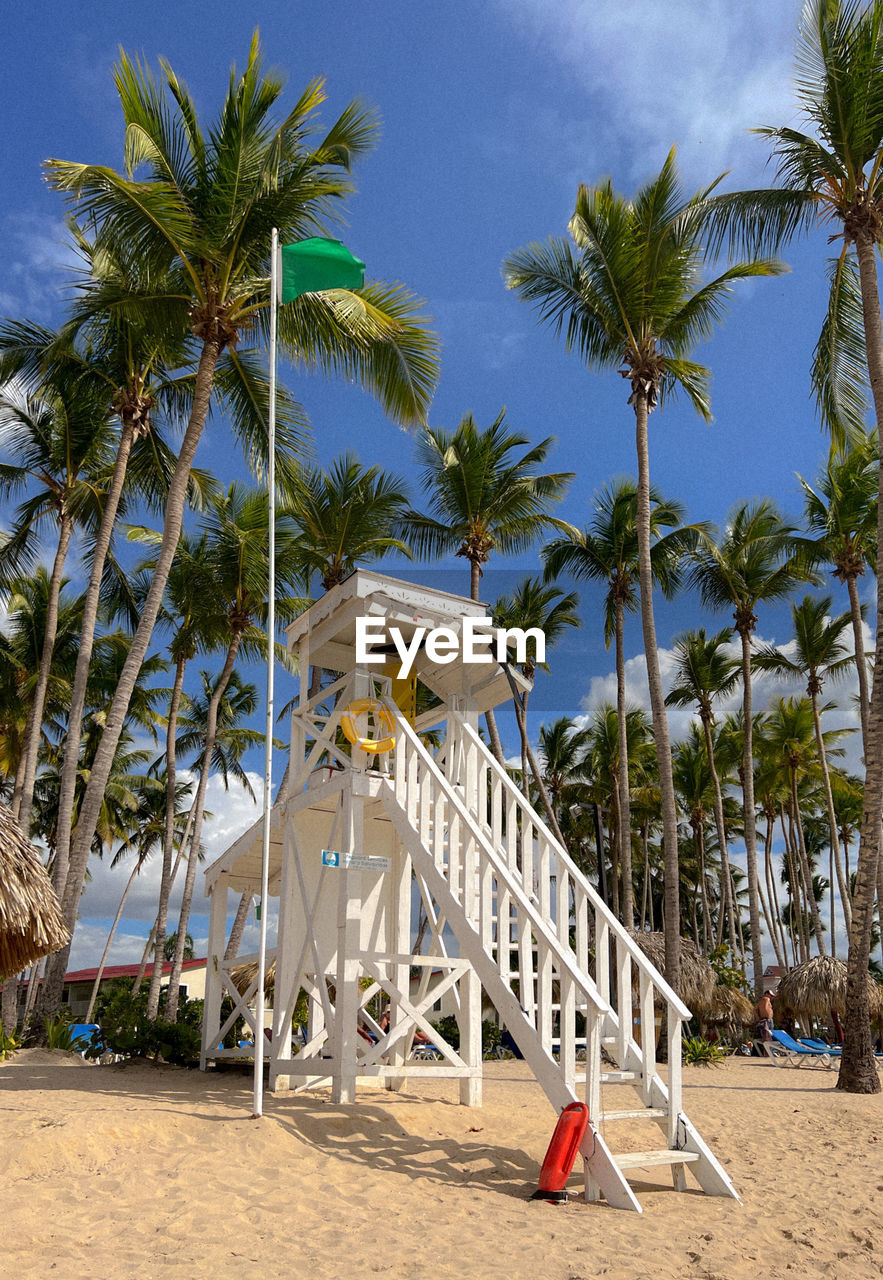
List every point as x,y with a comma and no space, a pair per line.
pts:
702,1053
8,1044
128,1032
60,1035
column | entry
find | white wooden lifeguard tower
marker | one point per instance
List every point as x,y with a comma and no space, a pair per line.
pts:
350,833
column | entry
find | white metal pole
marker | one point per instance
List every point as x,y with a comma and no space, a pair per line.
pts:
259,1037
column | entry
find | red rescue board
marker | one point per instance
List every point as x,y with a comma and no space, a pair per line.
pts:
562,1151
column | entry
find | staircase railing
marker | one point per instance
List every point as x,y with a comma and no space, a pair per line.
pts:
582,920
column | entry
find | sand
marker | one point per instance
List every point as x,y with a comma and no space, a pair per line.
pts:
142,1171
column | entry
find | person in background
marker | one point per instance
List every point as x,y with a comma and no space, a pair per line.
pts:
763,1012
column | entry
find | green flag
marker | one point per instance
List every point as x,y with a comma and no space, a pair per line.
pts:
308,266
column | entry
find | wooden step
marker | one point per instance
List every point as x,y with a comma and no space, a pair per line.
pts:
644,1159
643,1113
618,1077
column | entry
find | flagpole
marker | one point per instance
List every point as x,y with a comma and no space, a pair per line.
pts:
259,1038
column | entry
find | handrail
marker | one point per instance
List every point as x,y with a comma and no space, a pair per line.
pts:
637,955
565,958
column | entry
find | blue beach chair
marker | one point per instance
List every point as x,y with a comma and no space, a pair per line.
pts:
797,1054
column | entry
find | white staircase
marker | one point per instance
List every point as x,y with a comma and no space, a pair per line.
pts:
547,949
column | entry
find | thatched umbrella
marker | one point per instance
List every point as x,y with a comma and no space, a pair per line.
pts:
729,1008
31,925
244,975
817,987
698,979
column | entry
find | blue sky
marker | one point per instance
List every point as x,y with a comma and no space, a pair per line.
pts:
492,114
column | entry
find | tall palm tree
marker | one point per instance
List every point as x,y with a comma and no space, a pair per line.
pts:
704,671
754,561
483,496
194,612
236,528
608,756
345,515
833,173
146,833
607,551
198,207
58,445
841,515
819,654
790,734
629,292
535,605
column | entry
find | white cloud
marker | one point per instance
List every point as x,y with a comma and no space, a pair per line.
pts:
233,812
39,258
699,73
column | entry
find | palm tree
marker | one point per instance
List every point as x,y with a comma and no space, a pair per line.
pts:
236,527
534,605
608,551
703,672
483,498
58,444
345,516
841,514
629,292
754,561
146,832
608,756
193,609
833,173
790,734
819,654
197,208
695,786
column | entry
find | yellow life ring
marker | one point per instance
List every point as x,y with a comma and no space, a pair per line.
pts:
381,714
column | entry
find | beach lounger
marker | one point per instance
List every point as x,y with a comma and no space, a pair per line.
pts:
797,1054
835,1050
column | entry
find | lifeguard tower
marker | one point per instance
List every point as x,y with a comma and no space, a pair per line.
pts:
509,912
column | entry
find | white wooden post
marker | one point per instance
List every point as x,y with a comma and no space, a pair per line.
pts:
349,912
400,937
284,998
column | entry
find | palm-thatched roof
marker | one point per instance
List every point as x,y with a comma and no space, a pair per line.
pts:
818,986
31,925
698,979
731,1006
245,974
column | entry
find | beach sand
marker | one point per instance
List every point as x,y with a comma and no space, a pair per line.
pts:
141,1171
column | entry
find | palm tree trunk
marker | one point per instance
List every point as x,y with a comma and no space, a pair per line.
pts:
235,939
832,825
625,810
71,759
9,1006
778,934
165,884
657,701
795,880
749,826
721,829
211,727
861,665
90,809
699,837
806,871
32,745
113,928
858,1072
148,946
537,775
645,889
